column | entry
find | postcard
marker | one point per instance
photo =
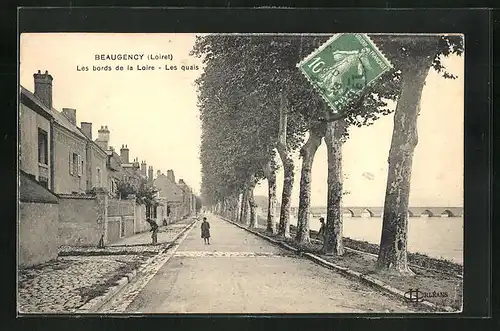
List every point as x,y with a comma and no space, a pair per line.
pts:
206,173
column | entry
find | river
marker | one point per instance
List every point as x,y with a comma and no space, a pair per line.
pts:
439,237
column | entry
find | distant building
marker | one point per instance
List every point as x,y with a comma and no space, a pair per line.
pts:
188,199
115,171
171,193
96,161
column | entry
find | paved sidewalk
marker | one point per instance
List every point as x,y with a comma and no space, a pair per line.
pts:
242,273
80,274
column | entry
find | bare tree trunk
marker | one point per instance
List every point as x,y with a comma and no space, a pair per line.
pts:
253,207
393,243
251,201
238,208
270,174
235,207
242,207
333,243
288,170
245,207
308,151
224,208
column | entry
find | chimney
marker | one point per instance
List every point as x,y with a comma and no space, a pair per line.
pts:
70,114
181,181
170,175
103,137
124,154
158,173
43,88
144,171
150,174
87,129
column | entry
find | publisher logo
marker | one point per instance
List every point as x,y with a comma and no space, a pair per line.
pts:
415,295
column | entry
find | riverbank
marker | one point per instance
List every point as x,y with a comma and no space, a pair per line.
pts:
425,234
440,280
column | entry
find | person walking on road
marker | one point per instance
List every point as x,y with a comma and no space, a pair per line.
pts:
154,229
205,231
321,232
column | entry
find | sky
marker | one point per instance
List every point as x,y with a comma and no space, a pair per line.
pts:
155,113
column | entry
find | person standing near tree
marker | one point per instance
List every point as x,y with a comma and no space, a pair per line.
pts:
154,229
205,231
321,232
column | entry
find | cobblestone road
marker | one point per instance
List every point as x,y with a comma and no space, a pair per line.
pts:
82,273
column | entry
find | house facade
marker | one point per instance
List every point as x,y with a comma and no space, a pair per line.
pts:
187,198
35,139
64,163
70,148
61,155
96,159
178,196
170,193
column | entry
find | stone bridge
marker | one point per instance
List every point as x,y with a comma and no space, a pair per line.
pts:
378,211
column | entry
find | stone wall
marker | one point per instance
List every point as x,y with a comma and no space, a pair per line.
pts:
81,219
38,233
121,207
121,219
113,229
140,219
128,222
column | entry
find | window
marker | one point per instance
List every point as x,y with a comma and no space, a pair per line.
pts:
75,164
98,173
43,155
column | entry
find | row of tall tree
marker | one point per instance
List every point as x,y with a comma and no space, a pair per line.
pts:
256,107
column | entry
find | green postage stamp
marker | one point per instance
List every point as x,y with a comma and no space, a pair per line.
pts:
343,67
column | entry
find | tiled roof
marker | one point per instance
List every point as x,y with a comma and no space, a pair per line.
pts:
58,116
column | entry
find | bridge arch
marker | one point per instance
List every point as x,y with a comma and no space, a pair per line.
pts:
447,213
347,212
366,213
426,213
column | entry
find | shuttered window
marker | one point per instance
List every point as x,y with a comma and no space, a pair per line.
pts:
71,162
80,166
43,155
75,164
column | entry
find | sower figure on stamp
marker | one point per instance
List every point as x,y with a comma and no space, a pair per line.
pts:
154,229
205,231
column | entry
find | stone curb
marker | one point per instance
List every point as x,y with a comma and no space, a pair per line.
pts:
347,272
96,303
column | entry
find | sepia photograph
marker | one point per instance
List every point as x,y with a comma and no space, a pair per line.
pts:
240,173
